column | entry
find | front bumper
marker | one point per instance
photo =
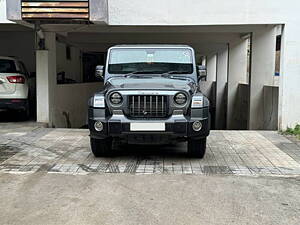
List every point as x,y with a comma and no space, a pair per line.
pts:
176,126
13,104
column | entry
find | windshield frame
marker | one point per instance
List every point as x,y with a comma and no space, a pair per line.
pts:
193,69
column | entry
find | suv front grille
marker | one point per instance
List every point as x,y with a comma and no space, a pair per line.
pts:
148,106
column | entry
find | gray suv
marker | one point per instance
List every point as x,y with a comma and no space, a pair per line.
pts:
151,96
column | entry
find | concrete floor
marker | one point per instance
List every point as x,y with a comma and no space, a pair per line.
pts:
48,176
43,198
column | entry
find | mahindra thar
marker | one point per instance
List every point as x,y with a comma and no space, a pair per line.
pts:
151,96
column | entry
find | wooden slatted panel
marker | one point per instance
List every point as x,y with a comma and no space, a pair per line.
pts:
55,9
55,4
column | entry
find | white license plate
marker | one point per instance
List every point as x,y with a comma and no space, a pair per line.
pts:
147,127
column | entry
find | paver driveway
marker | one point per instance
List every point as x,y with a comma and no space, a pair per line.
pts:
28,149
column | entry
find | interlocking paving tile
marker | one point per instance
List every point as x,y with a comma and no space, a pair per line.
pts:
29,150
7,151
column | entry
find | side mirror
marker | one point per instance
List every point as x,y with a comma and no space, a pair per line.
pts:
202,73
99,72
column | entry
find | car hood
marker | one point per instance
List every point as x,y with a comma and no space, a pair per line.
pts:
152,83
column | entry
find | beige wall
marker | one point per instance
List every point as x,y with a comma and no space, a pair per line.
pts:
71,100
71,103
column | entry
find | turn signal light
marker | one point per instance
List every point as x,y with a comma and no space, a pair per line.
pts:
16,79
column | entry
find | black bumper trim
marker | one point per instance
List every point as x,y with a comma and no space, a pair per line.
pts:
13,104
115,128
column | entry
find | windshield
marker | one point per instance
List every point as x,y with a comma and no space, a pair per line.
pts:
7,66
158,61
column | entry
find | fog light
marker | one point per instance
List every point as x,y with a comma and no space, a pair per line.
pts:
98,126
197,126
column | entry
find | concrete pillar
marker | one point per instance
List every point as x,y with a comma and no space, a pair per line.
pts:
262,72
211,66
208,87
237,73
222,73
46,79
289,89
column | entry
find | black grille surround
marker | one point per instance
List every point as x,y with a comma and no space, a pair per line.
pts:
148,106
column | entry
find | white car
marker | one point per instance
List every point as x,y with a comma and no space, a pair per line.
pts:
14,87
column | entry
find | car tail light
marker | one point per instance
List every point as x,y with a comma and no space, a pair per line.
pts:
16,79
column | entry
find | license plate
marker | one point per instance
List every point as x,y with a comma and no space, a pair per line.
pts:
147,127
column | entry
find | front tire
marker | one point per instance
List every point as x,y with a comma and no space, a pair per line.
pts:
101,147
197,147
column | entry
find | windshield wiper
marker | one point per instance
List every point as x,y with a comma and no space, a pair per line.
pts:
174,72
135,73
170,74
166,74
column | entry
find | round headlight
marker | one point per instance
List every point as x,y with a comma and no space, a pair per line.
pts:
116,98
180,99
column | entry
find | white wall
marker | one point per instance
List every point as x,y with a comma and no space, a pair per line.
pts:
201,12
3,12
237,74
262,74
71,67
211,66
45,64
289,90
102,38
221,94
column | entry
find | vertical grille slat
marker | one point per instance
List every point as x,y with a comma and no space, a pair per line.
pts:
139,104
148,106
150,103
162,104
132,105
156,104
145,104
